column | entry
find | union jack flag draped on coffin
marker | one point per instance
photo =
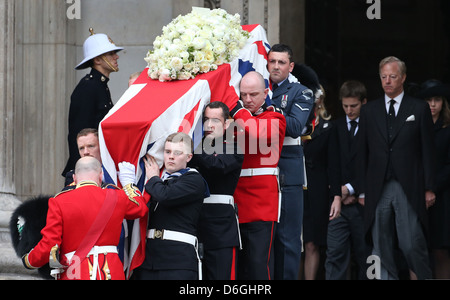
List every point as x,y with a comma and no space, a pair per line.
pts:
151,110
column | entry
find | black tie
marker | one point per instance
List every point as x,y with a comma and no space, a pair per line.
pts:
392,109
390,125
274,87
353,127
391,118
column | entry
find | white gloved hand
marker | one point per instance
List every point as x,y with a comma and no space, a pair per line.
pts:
127,173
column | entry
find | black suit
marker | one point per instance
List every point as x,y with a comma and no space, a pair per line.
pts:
175,205
346,232
411,151
409,155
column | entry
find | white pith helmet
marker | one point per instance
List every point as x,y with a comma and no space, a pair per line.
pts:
96,45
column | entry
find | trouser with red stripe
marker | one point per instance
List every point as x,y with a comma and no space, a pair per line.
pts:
255,260
219,264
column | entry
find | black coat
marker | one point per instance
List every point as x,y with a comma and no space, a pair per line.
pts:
218,226
175,204
411,151
440,213
322,171
89,104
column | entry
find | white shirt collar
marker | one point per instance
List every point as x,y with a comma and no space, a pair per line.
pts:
348,119
397,99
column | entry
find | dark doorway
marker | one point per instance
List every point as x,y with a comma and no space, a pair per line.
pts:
343,44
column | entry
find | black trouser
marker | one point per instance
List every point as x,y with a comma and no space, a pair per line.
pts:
219,264
255,260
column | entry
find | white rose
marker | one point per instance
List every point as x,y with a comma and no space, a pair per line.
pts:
153,74
199,56
205,67
176,63
220,48
199,43
164,75
209,56
184,76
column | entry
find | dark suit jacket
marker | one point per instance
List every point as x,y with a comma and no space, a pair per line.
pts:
411,151
175,205
348,153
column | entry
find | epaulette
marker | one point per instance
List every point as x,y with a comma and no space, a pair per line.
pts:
132,191
66,189
110,186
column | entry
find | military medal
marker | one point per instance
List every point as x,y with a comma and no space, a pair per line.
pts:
284,101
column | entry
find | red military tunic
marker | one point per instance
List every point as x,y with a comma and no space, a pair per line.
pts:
257,197
70,216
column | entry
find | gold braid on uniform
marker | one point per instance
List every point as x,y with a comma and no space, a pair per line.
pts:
132,191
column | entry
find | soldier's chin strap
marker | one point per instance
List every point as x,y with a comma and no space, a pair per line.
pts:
109,64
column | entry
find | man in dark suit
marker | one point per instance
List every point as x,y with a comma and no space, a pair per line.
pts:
396,157
346,233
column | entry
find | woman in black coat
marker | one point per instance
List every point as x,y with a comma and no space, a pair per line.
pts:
323,187
436,94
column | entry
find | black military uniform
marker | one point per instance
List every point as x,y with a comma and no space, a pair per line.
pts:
218,226
175,205
89,104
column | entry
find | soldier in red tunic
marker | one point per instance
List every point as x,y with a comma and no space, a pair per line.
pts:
85,224
261,132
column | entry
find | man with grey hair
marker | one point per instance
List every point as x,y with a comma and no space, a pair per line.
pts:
396,157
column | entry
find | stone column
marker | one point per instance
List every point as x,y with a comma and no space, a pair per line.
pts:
44,54
9,262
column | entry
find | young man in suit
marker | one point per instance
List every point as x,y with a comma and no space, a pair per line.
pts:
177,195
397,165
346,233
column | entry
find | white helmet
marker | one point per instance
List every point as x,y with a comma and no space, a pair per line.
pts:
96,45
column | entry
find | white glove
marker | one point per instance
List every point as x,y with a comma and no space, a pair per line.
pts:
127,173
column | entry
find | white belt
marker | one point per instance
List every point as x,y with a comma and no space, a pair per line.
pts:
95,251
224,199
288,141
178,237
172,236
260,172
219,199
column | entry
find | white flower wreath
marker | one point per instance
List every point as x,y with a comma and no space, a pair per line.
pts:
198,42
